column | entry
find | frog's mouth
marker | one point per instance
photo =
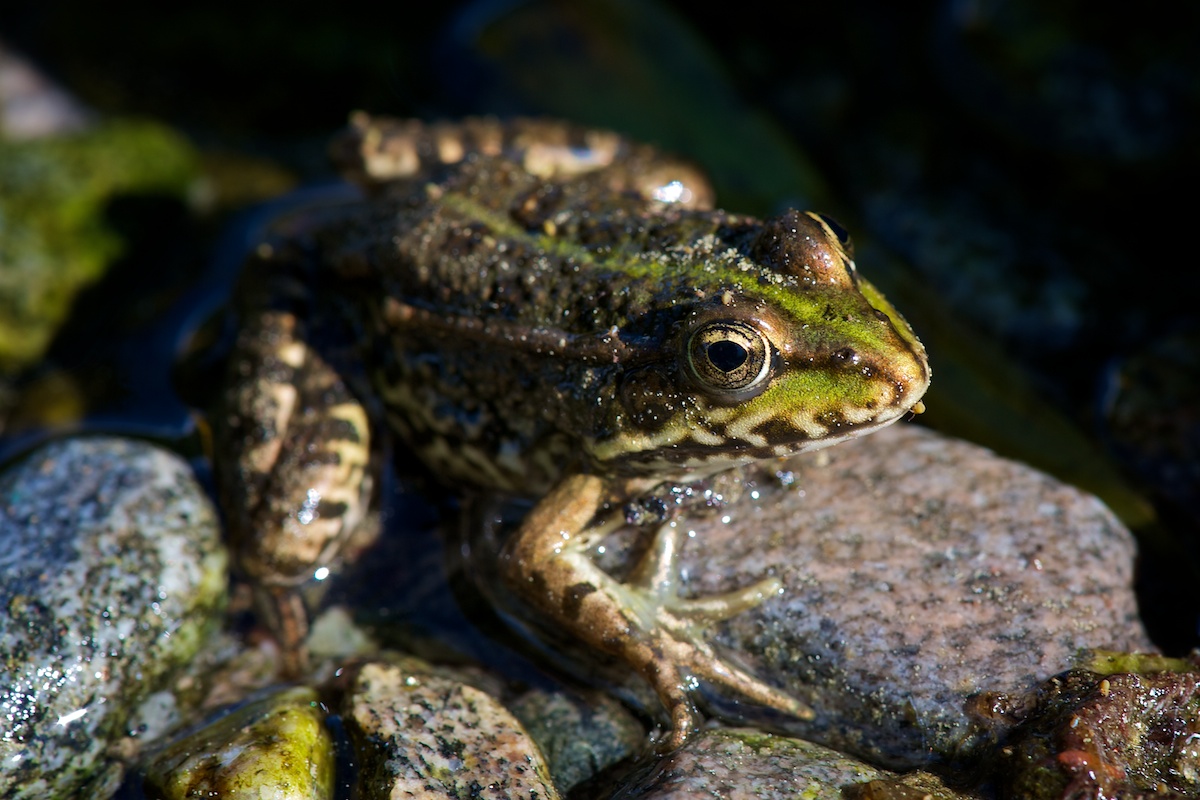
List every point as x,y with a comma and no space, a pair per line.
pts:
734,436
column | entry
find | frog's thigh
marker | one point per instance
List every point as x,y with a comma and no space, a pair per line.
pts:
300,445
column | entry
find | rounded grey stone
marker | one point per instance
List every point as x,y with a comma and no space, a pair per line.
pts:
111,574
581,734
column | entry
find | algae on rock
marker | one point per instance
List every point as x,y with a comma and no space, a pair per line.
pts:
54,239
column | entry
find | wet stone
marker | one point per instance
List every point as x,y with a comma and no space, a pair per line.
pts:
277,747
917,571
422,735
744,764
1086,734
111,575
581,735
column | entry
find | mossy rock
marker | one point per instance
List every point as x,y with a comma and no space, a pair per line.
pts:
54,239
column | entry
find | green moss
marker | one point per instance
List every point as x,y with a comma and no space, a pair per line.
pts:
276,746
1109,662
54,239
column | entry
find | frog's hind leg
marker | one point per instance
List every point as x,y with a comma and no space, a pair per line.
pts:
643,622
294,476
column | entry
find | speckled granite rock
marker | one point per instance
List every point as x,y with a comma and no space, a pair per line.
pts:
111,572
422,735
276,747
917,571
742,764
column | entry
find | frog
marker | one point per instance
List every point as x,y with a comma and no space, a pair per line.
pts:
554,312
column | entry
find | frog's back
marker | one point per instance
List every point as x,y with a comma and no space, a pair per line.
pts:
490,267
542,298
533,221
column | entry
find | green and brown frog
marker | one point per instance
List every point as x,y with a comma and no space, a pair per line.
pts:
557,313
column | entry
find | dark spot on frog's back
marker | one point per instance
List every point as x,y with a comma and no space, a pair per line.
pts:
534,208
840,232
780,431
463,241
330,509
336,429
845,355
833,420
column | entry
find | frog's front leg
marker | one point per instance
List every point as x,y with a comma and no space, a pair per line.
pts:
643,622
294,468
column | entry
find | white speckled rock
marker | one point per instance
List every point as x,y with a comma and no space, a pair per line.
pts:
741,764
917,570
111,571
423,735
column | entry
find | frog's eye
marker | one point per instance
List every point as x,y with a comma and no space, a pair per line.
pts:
730,357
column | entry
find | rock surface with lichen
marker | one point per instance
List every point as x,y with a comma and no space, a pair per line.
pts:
111,574
277,746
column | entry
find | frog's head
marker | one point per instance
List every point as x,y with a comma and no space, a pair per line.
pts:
789,350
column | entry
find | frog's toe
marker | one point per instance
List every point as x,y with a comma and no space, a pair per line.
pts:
671,685
719,607
708,666
657,578
683,656
677,627
657,572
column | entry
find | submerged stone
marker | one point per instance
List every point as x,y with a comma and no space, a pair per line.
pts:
744,764
276,747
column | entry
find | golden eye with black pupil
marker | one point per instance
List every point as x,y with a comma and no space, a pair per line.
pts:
729,357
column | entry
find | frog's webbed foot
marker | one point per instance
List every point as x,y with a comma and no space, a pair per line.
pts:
642,621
